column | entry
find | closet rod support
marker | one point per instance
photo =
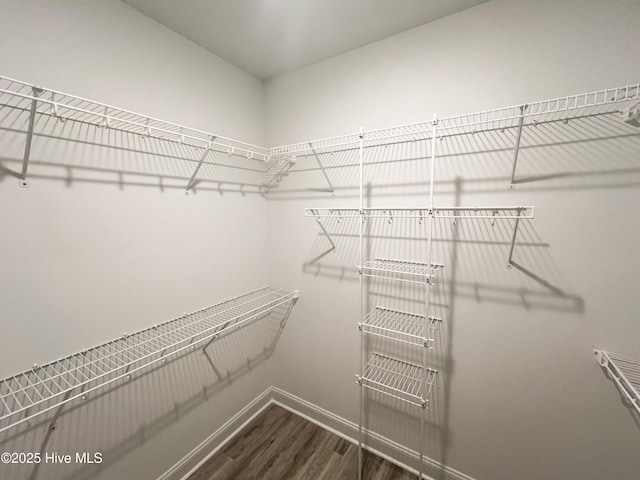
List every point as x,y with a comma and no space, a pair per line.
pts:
36,91
516,147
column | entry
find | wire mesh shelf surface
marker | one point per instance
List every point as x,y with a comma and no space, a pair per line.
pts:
401,326
273,164
18,95
487,213
401,270
398,378
43,388
625,372
562,109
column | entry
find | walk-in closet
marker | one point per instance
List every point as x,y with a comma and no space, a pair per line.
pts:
364,240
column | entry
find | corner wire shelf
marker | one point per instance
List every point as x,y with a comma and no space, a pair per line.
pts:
624,370
46,387
398,378
401,270
401,326
277,162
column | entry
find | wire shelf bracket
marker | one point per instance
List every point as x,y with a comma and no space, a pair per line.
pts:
516,147
324,172
36,92
625,372
49,387
326,252
192,179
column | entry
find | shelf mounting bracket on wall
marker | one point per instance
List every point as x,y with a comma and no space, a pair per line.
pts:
326,234
36,91
516,148
513,240
324,172
192,180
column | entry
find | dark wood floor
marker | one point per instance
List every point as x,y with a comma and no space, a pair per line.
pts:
279,445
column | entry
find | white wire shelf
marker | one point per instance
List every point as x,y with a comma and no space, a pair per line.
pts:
401,270
557,110
562,109
43,388
401,326
399,379
624,370
17,94
479,213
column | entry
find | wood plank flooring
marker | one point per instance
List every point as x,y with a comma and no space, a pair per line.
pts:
279,445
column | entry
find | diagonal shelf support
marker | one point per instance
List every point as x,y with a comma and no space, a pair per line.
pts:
516,148
324,172
326,234
197,169
36,91
513,240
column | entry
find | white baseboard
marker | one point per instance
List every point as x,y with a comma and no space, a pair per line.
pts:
218,439
379,445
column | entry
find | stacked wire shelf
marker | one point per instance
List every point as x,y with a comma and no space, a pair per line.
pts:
46,387
398,378
401,326
400,270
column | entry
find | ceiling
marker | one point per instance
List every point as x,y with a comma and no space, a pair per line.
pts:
267,38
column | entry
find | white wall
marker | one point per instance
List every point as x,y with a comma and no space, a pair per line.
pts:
98,254
520,395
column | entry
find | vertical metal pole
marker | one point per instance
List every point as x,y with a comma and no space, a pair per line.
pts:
432,175
27,147
360,426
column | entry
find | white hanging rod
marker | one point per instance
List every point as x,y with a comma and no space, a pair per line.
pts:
624,370
471,213
43,388
144,125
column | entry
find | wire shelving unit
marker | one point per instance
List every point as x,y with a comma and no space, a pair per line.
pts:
401,326
624,370
398,379
45,388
